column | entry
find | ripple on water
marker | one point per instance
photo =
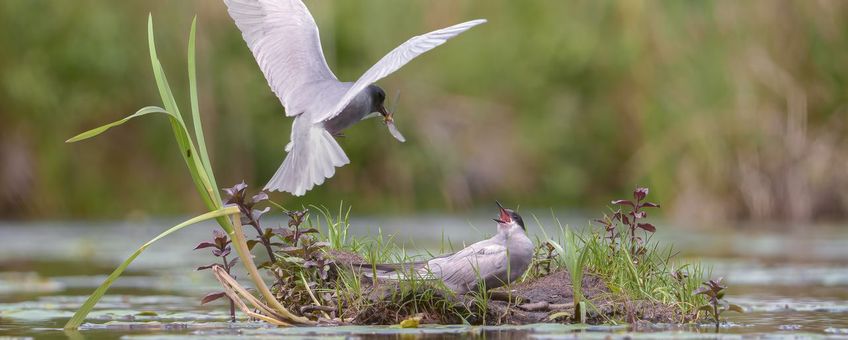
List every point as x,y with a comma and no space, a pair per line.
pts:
834,330
756,273
27,282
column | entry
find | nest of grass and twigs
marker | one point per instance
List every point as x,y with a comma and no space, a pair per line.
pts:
609,273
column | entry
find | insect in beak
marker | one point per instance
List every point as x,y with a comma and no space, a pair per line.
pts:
388,118
387,115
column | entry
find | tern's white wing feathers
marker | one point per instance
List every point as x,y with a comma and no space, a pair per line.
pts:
463,270
395,60
313,156
284,40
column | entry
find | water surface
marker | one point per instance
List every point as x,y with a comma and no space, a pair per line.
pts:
792,284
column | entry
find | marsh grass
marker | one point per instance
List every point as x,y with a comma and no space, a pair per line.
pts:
574,258
335,230
653,274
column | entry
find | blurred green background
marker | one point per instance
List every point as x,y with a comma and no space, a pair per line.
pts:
727,110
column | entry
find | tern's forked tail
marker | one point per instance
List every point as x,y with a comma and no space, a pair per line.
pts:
395,271
313,157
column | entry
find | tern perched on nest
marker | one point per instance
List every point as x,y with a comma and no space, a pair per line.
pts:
499,260
284,40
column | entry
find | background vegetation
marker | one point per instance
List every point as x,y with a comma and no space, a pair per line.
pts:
726,109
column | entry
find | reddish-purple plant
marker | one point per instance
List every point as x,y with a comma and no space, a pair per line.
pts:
220,245
632,219
714,291
294,253
250,215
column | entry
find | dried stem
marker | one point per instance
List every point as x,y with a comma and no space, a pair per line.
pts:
237,235
233,291
232,304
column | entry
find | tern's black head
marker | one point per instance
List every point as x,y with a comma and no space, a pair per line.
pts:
378,99
509,215
378,96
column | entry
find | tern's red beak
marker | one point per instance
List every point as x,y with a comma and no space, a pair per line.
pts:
504,215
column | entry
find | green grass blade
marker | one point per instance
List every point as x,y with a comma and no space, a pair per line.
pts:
195,107
574,259
199,175
161,83
98,130
83,311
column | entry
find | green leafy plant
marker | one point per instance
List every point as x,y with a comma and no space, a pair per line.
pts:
714,291
302,264
199,167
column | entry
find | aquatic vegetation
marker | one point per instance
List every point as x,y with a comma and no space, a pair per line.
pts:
249,215
200,169
631,219
625,278
220,245
573,257
714,290
635,271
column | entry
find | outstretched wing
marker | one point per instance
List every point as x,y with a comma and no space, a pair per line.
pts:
284,40
395,60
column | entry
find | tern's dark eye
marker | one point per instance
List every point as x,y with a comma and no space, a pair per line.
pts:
515,217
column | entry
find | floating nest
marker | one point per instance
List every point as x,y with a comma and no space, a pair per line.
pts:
544,299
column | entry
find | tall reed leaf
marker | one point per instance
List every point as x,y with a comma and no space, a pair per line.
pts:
199,174
98,130
201,171
86,307
195,107
199,167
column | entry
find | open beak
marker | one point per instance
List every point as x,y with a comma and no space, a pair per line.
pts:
504,216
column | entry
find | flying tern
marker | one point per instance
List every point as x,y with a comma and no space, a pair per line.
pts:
284,40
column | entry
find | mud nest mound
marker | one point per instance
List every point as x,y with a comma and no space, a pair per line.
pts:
533,301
